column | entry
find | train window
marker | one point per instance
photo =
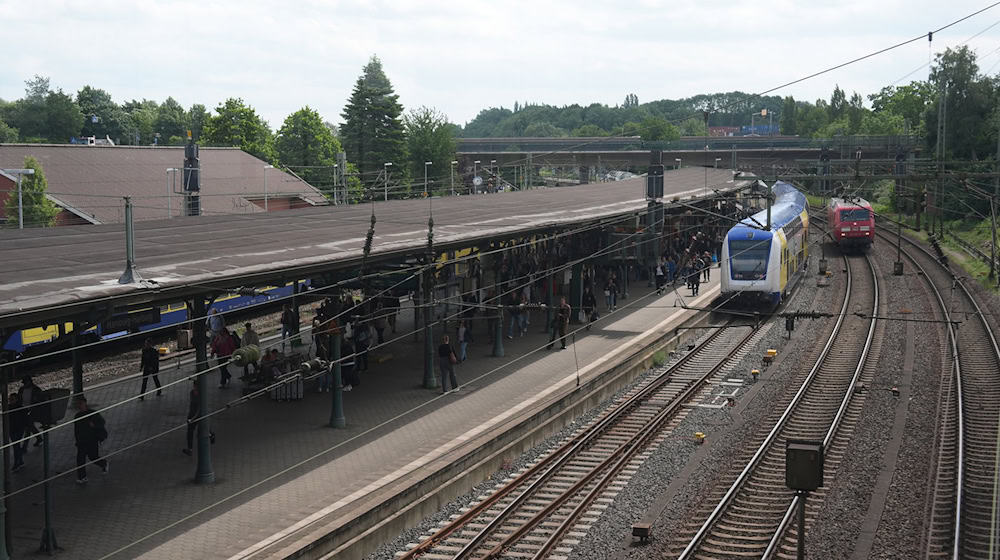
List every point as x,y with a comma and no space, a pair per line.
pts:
855,215
748,258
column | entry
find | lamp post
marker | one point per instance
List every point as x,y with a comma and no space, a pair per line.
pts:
475,173
20,202
171,172
266,167
453,164
493,171
385,167
426,164
335,182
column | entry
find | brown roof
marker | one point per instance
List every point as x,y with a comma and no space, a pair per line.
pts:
93,179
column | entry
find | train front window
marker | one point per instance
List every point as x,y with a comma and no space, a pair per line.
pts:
855,215
748,258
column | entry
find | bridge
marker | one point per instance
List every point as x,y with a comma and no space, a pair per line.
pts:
591,154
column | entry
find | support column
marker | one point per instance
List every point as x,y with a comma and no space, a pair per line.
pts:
576,291
549,288
337,419
5,439
204,473
296,339
498,351
430,380
77,360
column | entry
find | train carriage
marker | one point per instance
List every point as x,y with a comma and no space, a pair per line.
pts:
851,222
761,264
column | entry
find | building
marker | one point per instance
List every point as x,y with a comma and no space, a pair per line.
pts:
89,182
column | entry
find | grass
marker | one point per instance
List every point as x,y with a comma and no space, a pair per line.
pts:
659,358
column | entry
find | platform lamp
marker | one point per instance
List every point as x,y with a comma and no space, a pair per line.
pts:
475,173
266,167
20,205
426,165
453,164
385,167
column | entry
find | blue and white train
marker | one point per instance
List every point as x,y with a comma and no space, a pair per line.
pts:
760,264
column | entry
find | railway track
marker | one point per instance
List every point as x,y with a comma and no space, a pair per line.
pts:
531,515
964,513
752,517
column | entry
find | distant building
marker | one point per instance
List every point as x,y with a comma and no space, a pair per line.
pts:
723,130
88,181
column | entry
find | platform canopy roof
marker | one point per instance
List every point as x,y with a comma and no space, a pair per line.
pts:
57,272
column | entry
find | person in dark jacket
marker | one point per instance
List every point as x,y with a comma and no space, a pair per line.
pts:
561,321
446,360
149,365
192,423
589,304
89,431
223,347
18,419
30,394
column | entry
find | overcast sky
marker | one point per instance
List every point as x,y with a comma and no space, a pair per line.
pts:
461,57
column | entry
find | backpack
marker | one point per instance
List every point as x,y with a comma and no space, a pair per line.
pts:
100,428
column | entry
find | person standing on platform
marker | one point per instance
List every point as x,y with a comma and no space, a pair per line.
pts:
661,277
288,324
18,419
515,316
446,364
222,348
561,322
589,306
362,340
89,430
149,365
706,261
611,292
696,267
192,422
463,341
30,394
215,322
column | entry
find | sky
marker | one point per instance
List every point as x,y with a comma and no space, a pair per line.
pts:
462,57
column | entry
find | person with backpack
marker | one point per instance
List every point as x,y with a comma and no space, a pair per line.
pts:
149,365
89,430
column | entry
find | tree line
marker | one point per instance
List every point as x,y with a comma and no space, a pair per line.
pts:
374,131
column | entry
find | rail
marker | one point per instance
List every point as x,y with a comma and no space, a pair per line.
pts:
730,494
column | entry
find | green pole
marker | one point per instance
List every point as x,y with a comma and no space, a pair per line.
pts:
337,419
204,473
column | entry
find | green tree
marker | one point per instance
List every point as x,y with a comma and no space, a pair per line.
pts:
38,211
909,102
654,129
171,120
63,118
7,133
543,130
373,132
429,137
969,98
838,103
588,130
693,127
197,116
102,117
237,124
307,146
789,111
142,121
29,114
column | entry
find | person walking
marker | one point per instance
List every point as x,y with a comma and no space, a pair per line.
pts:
149,365
89,430
288,324
18,419
30,394
589,306
696,267
215,322
463,341
222,348
192,419
706,262
561,322
446,364
611,292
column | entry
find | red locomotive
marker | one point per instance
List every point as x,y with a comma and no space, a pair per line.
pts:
852,222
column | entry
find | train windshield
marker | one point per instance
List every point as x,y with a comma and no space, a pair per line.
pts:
855,215
748,258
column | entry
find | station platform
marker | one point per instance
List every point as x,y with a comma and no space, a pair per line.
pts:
278,466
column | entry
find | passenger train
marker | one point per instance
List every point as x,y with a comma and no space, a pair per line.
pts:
851,222
760,264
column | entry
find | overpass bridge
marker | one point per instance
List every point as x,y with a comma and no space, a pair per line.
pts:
591,154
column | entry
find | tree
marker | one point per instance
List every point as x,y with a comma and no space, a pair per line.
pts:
29,114
197,116
955,77
237,124
789,112
909,102
372,132
838,103
693,127
142,121
307,146
38,210
171,120
631,101
855,112
7,133
655,129
543,130
429,137
102,117
588,130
